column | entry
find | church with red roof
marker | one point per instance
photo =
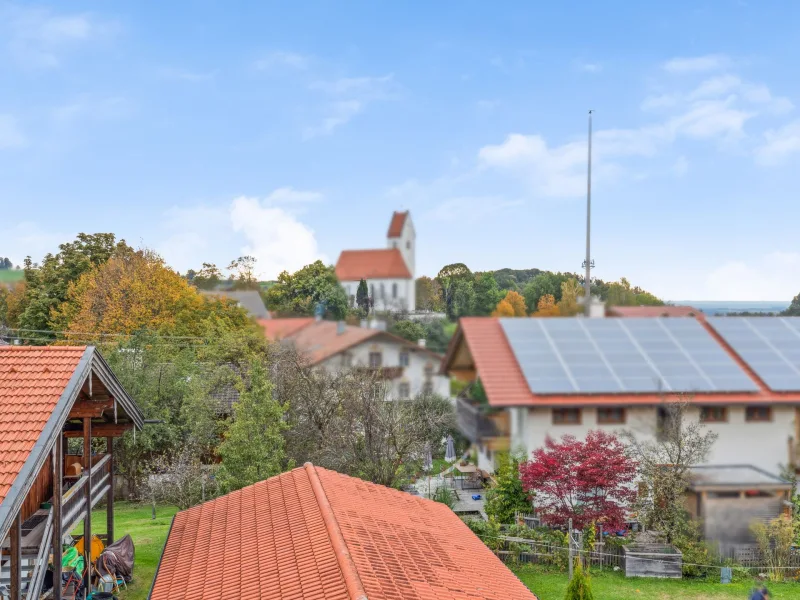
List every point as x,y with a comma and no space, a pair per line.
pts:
389,272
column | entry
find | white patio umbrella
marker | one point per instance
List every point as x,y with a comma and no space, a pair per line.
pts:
450,453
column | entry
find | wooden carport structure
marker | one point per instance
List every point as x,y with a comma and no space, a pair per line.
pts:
49,395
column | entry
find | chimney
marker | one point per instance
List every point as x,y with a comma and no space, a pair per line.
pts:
597,308
421,343
341,327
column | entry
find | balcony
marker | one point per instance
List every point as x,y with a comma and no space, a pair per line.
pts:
385,373
74,503
479,423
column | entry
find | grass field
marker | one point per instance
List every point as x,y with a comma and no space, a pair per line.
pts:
11,275
608,585
148,538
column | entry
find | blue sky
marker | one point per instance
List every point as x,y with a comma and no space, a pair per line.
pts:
290,131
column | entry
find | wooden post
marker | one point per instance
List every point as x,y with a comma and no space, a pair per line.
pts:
87,522
58,496
110,496
16,558
571,553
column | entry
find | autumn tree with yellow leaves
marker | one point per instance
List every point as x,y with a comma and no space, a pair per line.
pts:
133,291
571,290
513,305
547,307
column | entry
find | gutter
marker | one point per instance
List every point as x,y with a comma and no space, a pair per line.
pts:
160,558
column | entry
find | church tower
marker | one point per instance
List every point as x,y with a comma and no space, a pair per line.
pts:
402,236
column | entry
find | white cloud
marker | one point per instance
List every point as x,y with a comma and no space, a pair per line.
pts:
710,119
267,228
560,171
680,167
11,135
471,208
274,236
281,59
591,67
87,106
779,144
709,62
348,97
186,75
339,113
774,276
37,37
291,195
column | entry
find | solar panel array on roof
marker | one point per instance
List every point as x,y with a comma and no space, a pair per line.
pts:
595,356
769,345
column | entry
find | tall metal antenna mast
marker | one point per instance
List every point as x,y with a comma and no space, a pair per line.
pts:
588,264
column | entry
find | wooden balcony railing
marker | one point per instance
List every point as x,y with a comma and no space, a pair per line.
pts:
73,507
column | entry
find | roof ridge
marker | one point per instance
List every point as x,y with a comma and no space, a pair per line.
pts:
355,588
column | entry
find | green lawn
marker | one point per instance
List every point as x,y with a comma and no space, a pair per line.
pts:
148,537
11,275
607,585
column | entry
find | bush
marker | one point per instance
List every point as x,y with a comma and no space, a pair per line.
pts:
444,495
579,587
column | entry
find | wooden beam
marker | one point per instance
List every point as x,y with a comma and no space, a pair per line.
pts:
16,558
90,408
87,521
102,430
58,496
110,496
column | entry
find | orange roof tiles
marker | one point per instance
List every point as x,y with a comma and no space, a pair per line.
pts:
322,339
315,534
388,263
278,329
397,223
32,379
505,385
655,311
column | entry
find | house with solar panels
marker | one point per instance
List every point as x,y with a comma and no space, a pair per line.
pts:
550,377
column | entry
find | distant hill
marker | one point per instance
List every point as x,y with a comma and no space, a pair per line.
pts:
723,307
11,276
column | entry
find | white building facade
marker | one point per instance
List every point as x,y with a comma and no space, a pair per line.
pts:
389,272
410,369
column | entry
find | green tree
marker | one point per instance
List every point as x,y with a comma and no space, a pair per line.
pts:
543,284
436,335
362,297
243,269
413,331
463,299
207,278
297,294
429,294
449,276
253,448
794,308
507,496
580,586
487,293
47,285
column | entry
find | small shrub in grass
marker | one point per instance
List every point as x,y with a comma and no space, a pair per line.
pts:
579,587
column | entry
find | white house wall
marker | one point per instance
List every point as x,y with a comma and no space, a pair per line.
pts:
406,293
414,374
763,445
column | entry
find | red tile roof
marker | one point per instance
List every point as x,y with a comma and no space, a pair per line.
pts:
505,385
397,223
278,329
654,311
315,534
32,380
322,339
354,265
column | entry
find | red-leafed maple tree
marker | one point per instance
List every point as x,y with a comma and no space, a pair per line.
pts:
587,480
